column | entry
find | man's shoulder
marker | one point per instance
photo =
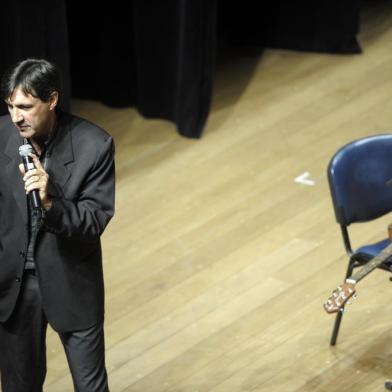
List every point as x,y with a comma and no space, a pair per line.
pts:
83,129
5,121
6,127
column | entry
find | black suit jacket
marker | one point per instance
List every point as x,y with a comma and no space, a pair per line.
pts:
68,249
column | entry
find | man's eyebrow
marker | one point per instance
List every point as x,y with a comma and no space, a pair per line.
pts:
19,105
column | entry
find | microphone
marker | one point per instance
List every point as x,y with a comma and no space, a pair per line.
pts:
24,151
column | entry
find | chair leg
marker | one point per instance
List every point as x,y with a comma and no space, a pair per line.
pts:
336,327
339,316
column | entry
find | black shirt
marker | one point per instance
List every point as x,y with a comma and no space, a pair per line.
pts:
36,215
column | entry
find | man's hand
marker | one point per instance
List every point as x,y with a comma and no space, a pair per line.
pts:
37,179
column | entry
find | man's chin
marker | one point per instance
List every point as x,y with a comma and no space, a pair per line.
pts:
26,132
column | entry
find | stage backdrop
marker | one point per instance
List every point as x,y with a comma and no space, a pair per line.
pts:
159,55
34,29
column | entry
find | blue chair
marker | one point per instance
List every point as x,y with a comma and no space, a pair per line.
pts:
360,181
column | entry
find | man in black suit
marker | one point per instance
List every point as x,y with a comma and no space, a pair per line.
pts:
50,255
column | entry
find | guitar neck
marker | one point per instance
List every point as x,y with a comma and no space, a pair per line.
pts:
372,264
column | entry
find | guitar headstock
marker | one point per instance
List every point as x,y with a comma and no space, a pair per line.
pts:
339,297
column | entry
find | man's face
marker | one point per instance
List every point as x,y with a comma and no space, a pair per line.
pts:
32,117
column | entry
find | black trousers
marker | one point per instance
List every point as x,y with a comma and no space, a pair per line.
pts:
23,348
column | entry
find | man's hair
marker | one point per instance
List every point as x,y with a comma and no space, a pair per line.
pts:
37,77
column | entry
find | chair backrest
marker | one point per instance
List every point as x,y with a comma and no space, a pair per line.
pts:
360,179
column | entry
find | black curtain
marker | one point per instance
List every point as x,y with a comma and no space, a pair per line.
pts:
159,55
156,55
326,26
34,29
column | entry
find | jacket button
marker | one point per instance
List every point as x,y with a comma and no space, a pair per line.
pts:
17,279
22,254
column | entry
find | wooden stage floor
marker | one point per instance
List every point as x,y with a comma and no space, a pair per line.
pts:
217,262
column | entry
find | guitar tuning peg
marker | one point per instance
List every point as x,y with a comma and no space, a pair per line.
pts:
355,296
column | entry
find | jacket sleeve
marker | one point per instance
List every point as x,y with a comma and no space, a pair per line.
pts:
86,217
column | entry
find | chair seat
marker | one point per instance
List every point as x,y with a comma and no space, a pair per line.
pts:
367,252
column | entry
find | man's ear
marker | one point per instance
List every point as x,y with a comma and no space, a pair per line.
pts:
53,100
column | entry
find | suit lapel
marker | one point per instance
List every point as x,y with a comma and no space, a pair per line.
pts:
15,179
61,157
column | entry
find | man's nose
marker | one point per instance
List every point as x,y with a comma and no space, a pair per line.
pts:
16,115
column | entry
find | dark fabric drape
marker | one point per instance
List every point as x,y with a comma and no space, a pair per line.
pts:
175,52
157,56
328,26
34,29
102,51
